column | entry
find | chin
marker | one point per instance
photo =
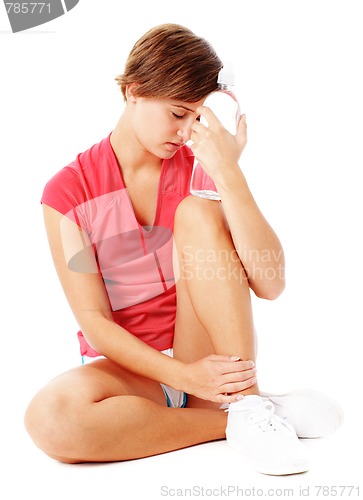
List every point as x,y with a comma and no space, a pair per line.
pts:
165,155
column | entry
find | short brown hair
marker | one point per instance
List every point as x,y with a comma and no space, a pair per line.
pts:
171,62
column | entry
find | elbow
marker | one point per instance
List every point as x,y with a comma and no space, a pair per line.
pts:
272,291
268,282
275,292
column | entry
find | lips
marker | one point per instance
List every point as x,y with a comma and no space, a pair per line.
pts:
175,145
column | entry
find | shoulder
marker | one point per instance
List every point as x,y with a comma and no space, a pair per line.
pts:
80,180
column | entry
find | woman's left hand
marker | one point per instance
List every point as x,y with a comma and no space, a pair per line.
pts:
214,146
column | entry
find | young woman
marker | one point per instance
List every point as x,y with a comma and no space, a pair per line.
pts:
159,282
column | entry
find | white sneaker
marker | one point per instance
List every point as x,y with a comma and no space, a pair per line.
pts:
311,413
268,442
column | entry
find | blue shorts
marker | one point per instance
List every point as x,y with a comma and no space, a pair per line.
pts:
174,398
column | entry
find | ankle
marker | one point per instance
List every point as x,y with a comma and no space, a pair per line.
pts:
251,391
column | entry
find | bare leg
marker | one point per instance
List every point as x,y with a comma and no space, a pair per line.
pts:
100,412
214,313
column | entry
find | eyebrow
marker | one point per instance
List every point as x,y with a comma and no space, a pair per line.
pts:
184,107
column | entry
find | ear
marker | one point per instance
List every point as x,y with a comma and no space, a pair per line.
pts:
131,92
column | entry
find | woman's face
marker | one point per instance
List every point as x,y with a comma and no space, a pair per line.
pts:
163,126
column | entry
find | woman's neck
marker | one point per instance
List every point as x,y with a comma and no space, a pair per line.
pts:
129,152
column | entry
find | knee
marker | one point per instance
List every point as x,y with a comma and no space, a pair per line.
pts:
48,421
205,216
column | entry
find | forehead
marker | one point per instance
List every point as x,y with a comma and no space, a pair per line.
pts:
187,106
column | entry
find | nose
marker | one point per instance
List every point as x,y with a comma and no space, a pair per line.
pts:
185,132
183,135
186,127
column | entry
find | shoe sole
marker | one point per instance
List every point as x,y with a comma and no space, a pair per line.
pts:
271,470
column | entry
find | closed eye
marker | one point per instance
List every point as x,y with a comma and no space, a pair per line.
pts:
178,117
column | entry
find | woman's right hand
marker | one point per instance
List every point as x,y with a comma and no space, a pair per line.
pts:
219,378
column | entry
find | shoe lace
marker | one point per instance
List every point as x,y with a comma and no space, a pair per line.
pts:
264,416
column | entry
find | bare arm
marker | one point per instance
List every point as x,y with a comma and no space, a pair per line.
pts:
257,245
85,291
87,297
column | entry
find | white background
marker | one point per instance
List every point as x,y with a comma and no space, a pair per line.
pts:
299,79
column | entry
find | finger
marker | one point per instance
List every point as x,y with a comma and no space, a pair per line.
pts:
242,130
234,365
222,357
242,123
226,399
240,366
239,376
198,127
195,138
209,116
237,387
